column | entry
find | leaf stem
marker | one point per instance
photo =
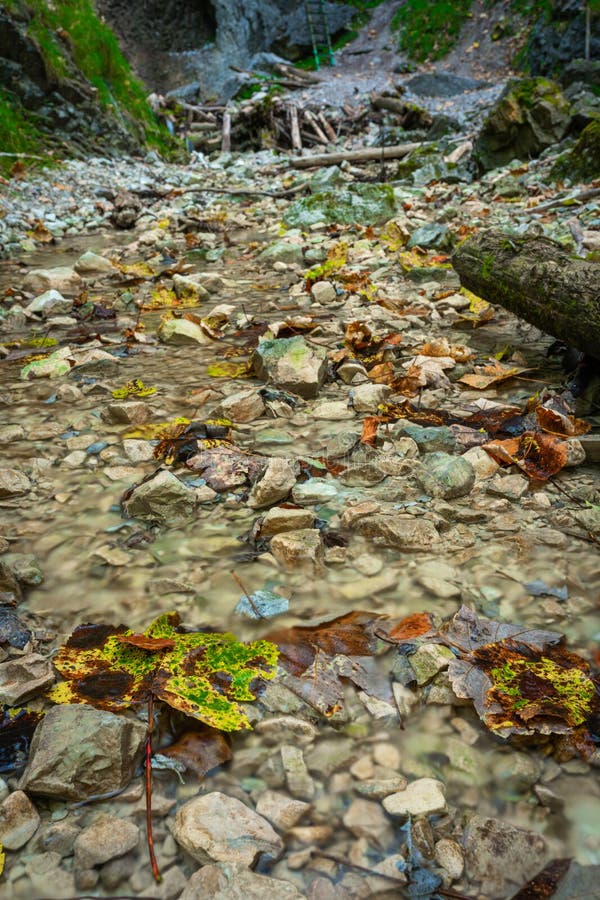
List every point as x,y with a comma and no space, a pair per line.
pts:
153,862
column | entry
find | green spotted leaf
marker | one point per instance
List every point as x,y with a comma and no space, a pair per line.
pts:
204,675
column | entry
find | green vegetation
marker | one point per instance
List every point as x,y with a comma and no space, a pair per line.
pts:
582,162
17,131
570,688
71,37
429,28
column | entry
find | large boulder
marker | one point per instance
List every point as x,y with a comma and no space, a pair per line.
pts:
291,364
530,115
163,498
369,204
582,162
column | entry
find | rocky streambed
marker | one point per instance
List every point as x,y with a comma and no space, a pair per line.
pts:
267,317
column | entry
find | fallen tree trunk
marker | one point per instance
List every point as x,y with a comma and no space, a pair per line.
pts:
539,281
369,154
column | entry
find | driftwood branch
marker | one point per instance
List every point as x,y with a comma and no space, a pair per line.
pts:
539,281
369,154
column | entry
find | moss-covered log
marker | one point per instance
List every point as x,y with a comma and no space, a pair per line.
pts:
539,281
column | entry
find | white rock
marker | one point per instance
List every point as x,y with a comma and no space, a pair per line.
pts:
90,263
279,519
423,797
181,332
332,410
13,483
449,855
483,464
50,303
323,292
189,287
218,828
283,811
301,549
228,881
19,820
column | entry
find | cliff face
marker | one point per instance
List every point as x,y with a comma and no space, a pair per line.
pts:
173,43
65,85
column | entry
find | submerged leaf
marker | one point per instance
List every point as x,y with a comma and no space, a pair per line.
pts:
536,453
134,388
202,675
17,726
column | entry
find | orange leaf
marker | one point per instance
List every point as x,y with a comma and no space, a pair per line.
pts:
146,643
411,627
369,430
537,454
555,423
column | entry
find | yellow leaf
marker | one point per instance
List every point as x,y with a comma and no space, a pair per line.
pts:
2,859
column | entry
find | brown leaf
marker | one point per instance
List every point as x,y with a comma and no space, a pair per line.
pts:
411,627
146,643
554,422
369,430
495,373
351,634
537,454
200,751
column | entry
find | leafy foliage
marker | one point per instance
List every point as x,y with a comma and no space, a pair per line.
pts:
201,674
429,28
134,388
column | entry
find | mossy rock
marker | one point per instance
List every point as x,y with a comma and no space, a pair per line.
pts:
416,159
369,204
582,162
530,115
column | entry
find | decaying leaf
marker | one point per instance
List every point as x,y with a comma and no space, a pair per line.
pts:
200,751
153,431
415,626
537,454
543,885
560,423
521,681
227,369
202,675
494,373
178,443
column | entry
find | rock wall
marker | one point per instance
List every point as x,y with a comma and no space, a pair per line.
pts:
193,43
559,37
41,82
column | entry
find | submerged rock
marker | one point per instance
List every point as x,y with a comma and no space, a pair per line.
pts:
301,549
108,837
501,857
229,881
276,483
19,820
369,204
181,331
163,498
218,828
78,751
442,475
291,364
50,303
423,797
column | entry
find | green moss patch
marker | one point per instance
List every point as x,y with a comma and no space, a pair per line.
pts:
428,29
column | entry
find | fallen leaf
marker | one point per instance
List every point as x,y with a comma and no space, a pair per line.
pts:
411,627
494,373
200,751
537,454
17,725
202,675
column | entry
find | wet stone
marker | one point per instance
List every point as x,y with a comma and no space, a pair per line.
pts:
230,880
163,498
442,475
366,819
298,781
300,549
218,828
428,660
276,483
78,751
282,811
13,483
108,837
501,857
19,820
513,487
403,532
423,797
291,364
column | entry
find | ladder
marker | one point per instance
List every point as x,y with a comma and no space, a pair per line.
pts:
318,26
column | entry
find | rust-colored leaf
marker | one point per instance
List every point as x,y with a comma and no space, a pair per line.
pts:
351,634
537,454
411,627
369,430
494,373
557,423
144,642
